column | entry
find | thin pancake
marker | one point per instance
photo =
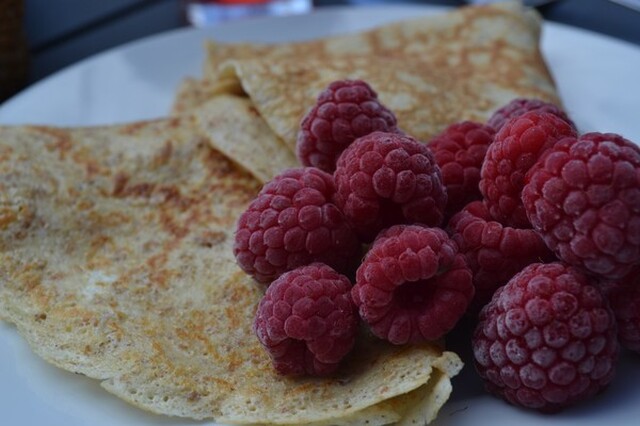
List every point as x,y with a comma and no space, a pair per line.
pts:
450,38
444,36
116,263
425,96
193,92
430,72
235,128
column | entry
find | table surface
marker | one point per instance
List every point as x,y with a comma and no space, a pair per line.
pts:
75,29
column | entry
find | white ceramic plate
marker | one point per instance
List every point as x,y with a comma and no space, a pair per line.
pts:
598,81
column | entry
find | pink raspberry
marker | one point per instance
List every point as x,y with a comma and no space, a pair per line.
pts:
547,339
384,179
494,252
293,222
583,197
307,321
413,285
520,106
625,301
515,149
344,111
459,152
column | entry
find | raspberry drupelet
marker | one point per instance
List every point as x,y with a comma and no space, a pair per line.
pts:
307,321
413,285
547,339
293,222
583,197
515,149
344,111
385,179
494,252
520,106
459,152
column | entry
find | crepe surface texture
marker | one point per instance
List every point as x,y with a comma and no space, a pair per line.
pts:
116,263
235,128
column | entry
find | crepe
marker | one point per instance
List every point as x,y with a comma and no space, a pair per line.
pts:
445,37
116,263
193,92
424,99
235,128
430,72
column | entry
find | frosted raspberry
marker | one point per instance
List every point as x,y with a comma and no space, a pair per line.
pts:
547,339
494,252
413,285
384,179
515,149
344,111
307,321
293,222
459,151
625,301
520,106
583,196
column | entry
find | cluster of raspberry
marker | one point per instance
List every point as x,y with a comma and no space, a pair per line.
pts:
520,223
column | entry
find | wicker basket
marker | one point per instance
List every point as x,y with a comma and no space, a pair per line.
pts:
13,48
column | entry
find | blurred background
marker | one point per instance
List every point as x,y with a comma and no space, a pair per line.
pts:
39,37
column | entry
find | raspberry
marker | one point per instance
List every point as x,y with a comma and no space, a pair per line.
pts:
547,339
515,149
459,151
520,106
625,301
583,196
307,321
495,253
344,111
384,179
413,285
292,222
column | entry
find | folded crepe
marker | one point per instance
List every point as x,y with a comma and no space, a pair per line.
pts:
235,128
116,262
430,72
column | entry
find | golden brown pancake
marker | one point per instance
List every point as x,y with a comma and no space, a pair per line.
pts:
430,72
116,263
235,128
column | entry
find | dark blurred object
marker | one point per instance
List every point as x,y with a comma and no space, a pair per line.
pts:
13,48
62,32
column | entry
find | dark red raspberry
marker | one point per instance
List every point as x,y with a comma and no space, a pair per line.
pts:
459,151
384,179
344,111
520,106
307,321
625,301
547,339
515,149
494,252
413,285
293,222
583,196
